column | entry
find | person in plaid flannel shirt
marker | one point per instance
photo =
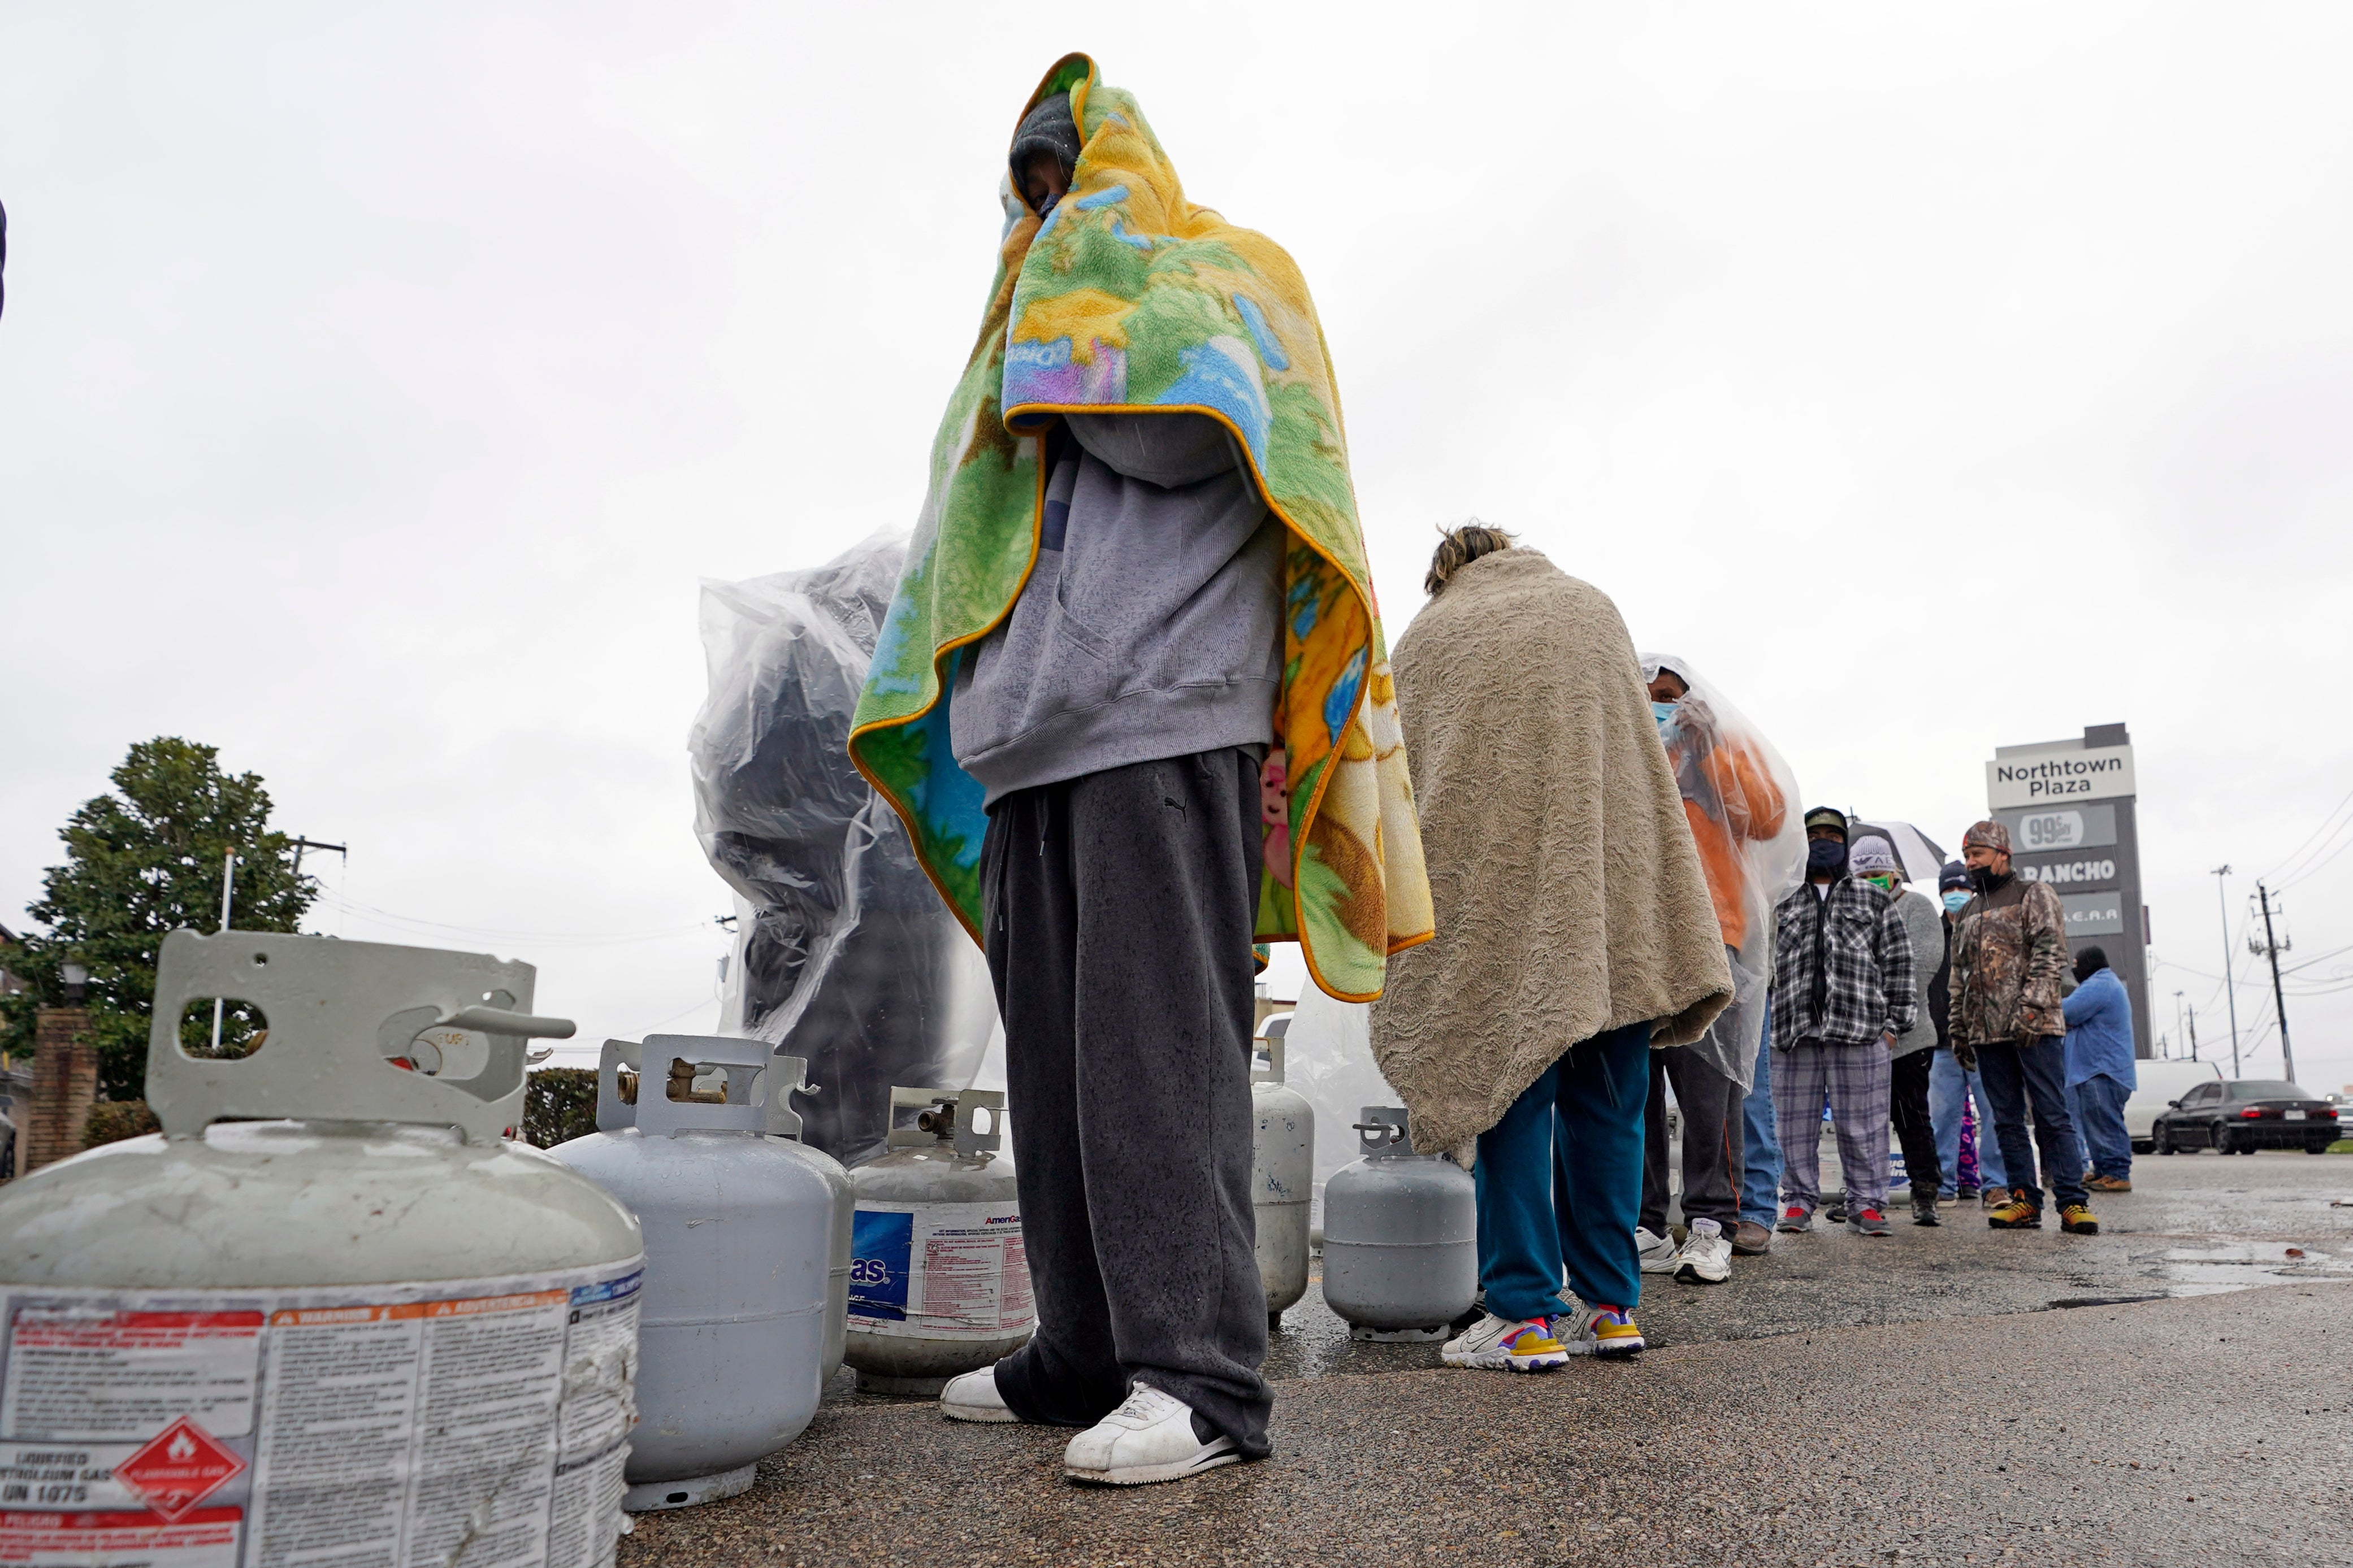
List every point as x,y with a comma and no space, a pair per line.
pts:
1841,993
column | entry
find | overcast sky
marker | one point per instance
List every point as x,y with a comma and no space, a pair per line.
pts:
376,383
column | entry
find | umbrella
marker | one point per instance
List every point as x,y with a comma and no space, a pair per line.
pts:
1921,857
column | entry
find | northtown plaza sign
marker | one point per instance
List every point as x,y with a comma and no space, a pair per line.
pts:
2048,778
2069,806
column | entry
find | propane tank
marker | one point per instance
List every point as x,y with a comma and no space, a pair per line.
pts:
939,1284
1400,1236
1282,1175
741,1225
353,1316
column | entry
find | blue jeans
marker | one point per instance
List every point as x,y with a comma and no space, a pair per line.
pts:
2025,1078
1947,1085
1760,1181
2098,1104
1560,1182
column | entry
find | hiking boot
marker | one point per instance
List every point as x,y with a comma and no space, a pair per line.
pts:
1706,1256
1795,1219
1499,1344
2077,1219
1993,1197
1965,1192
2016,1213
1923,1209
2108,1184
1750,1239
1867,1222
1655,1254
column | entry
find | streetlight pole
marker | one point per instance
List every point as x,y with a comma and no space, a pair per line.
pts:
2222,903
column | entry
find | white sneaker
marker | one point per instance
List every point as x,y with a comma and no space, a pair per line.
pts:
1707,1255
1500,1344
1149,1438
1657,1254
974,1397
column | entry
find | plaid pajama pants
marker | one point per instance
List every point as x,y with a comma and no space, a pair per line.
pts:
1855,1078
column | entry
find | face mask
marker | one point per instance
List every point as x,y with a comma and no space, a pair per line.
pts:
1826,855
1665,712
1984,880
1884,880
1954,899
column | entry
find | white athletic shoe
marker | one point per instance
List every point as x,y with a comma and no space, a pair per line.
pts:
1149,1438
1657,1254
974,1397
1500,1344
1706,1257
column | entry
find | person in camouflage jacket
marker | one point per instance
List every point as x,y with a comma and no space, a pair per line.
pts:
2009,952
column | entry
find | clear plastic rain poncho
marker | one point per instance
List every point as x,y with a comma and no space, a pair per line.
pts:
1742,802
844,954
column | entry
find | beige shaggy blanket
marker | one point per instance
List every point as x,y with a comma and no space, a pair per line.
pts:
1569,893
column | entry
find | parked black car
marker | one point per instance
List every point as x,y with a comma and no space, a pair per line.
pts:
2241,1117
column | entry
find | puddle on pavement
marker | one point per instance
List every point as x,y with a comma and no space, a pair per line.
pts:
2241,1266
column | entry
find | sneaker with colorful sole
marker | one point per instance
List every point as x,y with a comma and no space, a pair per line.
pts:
1608,1332
1500,1344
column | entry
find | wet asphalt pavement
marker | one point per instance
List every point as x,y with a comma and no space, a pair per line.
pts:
1949,1395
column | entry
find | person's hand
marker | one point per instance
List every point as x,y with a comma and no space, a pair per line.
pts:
1889,1036
1693,714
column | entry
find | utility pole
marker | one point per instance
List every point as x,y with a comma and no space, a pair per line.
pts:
2177,1015
301,844
2194,1034
2221,874
2271,950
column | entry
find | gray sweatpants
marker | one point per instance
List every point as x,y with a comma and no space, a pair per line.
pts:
1119,908
1713,1151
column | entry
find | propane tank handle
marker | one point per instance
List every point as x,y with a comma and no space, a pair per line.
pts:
742,1060
1270,1047
1383,1130
340,1014
788,1076
970,1143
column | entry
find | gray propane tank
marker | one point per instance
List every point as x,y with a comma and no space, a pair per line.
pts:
363,1318
1400,1236
939,1284
742,1224
1282,1175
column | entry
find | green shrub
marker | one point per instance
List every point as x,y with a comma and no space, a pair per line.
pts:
559,1103
112,1120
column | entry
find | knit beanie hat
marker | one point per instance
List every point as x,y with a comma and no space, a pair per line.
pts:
1954,875
1870,855
1048,128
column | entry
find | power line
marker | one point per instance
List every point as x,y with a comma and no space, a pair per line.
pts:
2273,874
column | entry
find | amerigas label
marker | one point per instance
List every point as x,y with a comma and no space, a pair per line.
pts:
480,1423
939,1271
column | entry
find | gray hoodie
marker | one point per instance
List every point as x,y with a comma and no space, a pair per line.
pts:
1150,625
1923,922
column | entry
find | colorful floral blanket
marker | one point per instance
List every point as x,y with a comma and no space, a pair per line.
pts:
1130,298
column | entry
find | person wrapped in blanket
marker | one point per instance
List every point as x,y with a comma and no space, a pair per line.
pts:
1735,795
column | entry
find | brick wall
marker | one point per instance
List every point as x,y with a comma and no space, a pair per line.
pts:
65,1084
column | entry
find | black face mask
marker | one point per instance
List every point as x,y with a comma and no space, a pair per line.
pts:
1826,856
1984,880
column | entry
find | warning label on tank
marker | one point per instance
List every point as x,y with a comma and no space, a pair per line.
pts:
478,1422
939,1271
